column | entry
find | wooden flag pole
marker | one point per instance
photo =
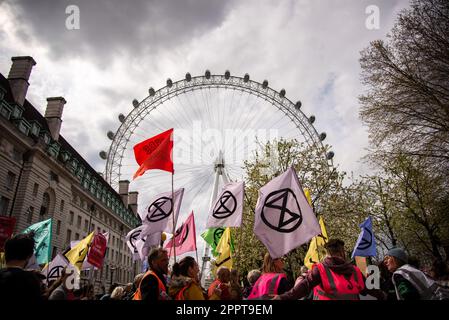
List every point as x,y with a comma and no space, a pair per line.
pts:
173,214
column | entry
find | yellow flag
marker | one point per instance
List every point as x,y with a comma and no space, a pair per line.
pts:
361,263
316,250
224,248
307,194
78,253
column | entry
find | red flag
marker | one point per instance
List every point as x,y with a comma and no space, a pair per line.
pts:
155,153
6,229
185,237
97,251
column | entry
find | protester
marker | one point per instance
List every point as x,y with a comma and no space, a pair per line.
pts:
273,280
111,289
332,279
87,292
153,285
184,280
386,282
252,277
118,293
15,282
59,290
135,285
219,289
236,289
409,282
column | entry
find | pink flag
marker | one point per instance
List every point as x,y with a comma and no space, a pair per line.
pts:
184,238
284,219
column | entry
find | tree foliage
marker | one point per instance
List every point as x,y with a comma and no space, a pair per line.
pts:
406,103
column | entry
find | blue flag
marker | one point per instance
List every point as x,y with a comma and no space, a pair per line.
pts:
366,244
42,240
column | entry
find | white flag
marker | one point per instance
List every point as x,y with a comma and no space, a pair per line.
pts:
284,219
227,210
140,246
158,214
53,271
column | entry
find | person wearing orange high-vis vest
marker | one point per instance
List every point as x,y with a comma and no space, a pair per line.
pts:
272,281
332,279
153,285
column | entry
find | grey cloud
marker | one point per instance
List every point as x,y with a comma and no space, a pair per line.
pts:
111,27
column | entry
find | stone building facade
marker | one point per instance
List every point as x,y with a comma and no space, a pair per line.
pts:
42,176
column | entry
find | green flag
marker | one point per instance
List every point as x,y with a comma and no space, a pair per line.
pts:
42,238
212,236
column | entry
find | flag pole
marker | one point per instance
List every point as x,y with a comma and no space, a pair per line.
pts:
173,213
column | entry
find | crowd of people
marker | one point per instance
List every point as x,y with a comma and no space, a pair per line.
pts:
335,278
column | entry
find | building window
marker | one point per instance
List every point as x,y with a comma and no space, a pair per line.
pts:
62,206
30,214
4,203
98,230
71,215
69,236
86,225
77,236
93,227
53,254
45,204
58,227
78,222
10,179
35,190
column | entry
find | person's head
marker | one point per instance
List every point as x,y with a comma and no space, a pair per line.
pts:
128,288
137,280
158,260
186,267
253,275
19,249
113,286
395,258
234,276
117,294
271,265
335,248
223,274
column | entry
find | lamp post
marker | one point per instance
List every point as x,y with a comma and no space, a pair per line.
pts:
112,272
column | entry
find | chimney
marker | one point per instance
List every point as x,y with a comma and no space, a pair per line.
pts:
53,115
132,200
18,77
123,187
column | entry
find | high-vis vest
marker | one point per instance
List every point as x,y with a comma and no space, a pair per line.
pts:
266,285
161,287
336,286
422,283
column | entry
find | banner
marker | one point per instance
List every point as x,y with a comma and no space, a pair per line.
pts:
155,153
42,237
316,250
157,216
53,270
366,243
284,219
78,253
224,250
97,251
184,239
6,229
227,210
212,237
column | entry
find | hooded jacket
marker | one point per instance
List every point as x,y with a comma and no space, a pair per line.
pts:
313,278
192,292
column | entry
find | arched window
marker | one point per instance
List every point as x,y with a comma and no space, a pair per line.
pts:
45,204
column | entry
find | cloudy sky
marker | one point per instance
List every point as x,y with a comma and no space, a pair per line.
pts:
310,48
